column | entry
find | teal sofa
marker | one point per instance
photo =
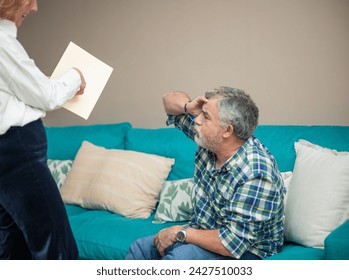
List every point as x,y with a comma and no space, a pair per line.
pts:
103,235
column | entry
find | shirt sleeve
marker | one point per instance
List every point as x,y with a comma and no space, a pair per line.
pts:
249,215
184,123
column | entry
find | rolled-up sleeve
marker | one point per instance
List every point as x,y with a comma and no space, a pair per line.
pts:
184,123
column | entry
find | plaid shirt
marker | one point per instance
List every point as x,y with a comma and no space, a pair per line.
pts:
243,199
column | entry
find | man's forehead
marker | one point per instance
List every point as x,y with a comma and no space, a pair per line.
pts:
211,103
210,107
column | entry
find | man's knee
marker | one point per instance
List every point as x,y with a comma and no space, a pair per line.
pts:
132,251
140,249
179,251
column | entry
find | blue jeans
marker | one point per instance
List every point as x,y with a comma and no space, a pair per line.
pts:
33,219
144,249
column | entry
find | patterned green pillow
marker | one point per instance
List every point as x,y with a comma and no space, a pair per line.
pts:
59,170
176,201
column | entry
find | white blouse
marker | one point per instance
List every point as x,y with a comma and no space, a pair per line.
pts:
25,92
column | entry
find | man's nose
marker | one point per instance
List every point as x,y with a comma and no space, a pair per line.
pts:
197,119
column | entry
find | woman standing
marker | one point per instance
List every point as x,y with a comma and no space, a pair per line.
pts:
33,220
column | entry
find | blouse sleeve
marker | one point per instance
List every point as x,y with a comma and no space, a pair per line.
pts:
34,88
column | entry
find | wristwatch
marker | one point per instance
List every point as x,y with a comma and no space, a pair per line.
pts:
181,236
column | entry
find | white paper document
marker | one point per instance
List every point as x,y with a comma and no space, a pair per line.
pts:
96,74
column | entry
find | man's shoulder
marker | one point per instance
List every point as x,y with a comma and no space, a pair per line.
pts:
258,156
255,146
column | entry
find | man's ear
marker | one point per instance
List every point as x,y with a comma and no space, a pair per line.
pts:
228,131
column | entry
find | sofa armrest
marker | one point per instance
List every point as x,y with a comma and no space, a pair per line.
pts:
337,243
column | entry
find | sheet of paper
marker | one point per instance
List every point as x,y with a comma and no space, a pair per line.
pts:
96,74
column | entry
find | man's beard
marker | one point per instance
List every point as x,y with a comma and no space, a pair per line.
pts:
206,142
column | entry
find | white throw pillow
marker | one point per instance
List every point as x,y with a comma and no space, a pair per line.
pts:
318,198
124,182
59,170
287,177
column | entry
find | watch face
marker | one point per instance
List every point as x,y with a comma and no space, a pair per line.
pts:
181,235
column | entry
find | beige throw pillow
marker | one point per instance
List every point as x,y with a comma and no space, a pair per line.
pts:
124,182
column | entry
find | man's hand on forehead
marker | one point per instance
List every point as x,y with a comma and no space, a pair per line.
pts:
194,107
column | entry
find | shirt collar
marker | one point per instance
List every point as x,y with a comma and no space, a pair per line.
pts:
231,161
9,27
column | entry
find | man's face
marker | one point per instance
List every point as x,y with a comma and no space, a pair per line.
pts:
208,127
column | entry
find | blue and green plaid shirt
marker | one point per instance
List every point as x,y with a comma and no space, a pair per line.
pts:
243,199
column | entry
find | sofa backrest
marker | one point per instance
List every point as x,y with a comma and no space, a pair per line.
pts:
280,140
64,142
167,142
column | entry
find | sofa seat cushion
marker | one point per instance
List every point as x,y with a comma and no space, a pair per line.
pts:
292,251
102,235
73,210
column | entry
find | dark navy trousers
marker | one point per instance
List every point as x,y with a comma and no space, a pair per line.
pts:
33,219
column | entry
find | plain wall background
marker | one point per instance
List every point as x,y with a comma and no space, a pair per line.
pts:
292,57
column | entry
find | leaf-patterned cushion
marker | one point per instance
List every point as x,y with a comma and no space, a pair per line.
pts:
176,201
59,170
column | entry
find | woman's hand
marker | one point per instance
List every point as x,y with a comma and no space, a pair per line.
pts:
83,83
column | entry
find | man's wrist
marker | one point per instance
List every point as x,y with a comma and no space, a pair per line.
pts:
181,235
185,106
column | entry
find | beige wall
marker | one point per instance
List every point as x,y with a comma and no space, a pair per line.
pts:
292,57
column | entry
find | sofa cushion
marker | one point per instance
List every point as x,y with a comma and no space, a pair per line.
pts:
64,142
167,142
59,169
124,182
337,243
74,210
318,199
176,201
292,251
